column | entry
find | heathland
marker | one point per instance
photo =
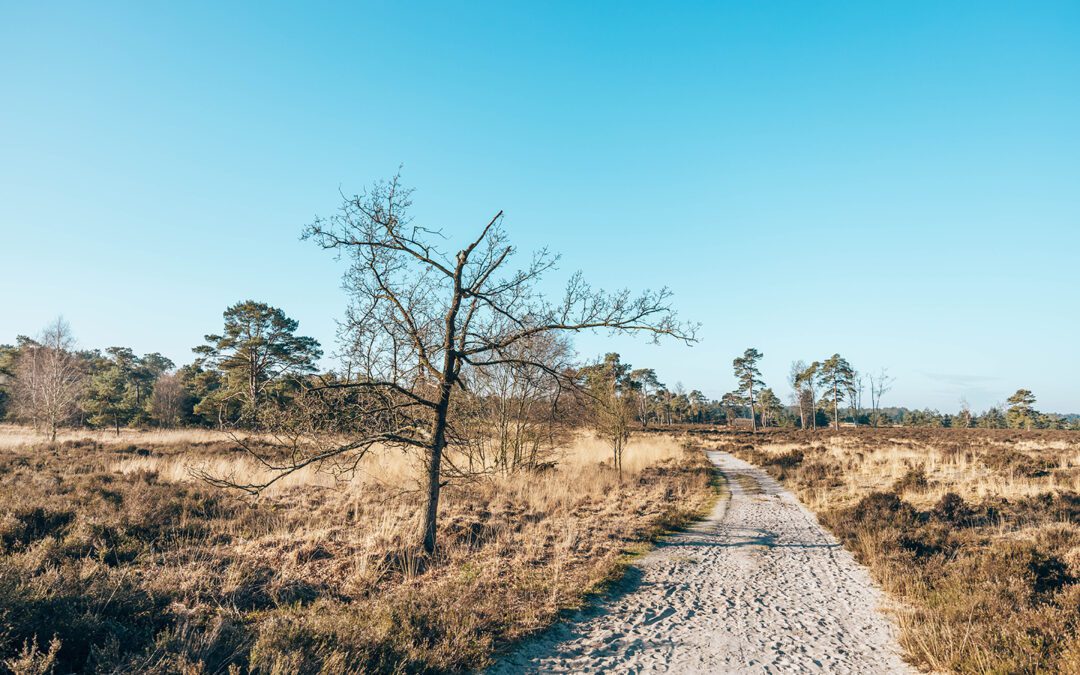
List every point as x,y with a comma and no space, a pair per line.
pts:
976,534
114,558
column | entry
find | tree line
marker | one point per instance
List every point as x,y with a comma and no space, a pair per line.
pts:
45,381
831,392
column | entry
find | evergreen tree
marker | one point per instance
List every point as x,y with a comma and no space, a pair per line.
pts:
258,348
1022,413
732,405
646,385
118,391
836,377
207,401
697,402
8,356
749,377
107,401
992,419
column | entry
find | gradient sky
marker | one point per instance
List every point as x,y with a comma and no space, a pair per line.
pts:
895,181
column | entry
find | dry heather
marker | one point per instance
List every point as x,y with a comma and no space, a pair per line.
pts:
976,532
113,559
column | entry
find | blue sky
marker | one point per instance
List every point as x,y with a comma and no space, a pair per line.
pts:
897,181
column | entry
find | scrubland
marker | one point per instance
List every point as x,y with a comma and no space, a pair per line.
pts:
113,559
975,533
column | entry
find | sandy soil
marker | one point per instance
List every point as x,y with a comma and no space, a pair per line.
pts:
758,587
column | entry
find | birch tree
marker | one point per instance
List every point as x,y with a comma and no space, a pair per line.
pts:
880,385
49,378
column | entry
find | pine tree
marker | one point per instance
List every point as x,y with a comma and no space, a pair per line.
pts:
992,419
1022,413
836,376
749,378
107,402
258,347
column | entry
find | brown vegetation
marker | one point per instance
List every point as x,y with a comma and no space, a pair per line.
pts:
976,532
113,559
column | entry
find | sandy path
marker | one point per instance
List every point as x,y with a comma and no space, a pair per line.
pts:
759,586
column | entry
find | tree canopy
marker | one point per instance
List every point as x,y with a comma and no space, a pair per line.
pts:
257,349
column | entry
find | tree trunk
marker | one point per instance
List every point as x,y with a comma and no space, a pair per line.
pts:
438,443
835,407
253,393
438,435
753,419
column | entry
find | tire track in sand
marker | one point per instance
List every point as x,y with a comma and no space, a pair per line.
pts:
759,586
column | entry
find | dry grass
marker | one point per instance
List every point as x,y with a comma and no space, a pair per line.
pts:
391,468
14,436
976,532
132,565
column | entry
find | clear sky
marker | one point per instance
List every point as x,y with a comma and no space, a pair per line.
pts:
895,181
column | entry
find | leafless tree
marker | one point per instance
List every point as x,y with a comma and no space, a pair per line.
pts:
613,414
794,381
49,378
512,416
855,395
423,325
879,386
803,380
167,400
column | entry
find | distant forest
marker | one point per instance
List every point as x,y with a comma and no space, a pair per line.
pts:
258,363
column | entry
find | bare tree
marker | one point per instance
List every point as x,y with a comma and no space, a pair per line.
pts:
798,390
855,395
510,418
804,380
167,400
879,386
424,324
49,378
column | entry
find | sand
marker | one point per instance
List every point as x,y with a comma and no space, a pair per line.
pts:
757,587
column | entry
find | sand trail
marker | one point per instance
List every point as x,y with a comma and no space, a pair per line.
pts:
758,587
